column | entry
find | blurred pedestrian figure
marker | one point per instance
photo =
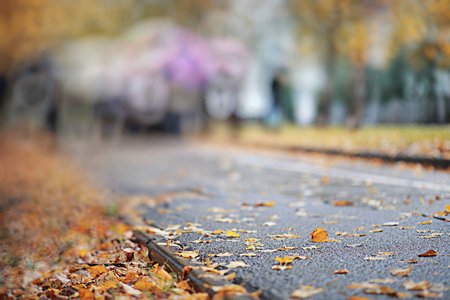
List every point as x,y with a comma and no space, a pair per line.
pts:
274,117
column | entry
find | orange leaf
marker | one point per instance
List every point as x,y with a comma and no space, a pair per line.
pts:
428,253
343,203
97,270
183,285
319,235
86,294
447,208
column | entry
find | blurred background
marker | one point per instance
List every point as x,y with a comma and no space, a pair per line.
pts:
102,68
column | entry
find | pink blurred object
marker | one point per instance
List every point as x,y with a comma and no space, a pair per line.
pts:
231,56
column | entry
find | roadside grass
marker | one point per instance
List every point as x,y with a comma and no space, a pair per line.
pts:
431,141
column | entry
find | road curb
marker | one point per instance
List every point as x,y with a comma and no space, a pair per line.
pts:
438,163
200,280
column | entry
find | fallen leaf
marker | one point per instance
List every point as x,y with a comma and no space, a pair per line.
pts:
391,224
376,230
401,272
310,247
232,234
358,298
343,203
144,284
187,254
218,231
354,245
97,270
428,294
447,208
380,290
416,286
86,294
374,258
285,260
305,292
426,222
237,264
407,227
428,253
220,254
184,285
344,271
230,276
280,267
270,224
319,235
250,254
284,235
359,228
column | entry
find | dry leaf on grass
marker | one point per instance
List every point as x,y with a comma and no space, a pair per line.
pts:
319,235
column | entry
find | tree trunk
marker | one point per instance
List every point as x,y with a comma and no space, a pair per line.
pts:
323,107
355,108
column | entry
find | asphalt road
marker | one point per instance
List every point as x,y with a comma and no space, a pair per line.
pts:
216,188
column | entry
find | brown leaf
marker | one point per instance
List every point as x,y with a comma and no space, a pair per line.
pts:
319,235
428,253
358,298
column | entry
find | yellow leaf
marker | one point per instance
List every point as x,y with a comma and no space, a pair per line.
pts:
144,284
232,234
319,235
250,254
284,260
218,231
447,208
230,276
187,254
83,252
108,285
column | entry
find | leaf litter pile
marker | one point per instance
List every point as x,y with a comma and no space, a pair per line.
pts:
61,238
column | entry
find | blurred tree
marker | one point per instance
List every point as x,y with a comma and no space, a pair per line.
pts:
338,28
